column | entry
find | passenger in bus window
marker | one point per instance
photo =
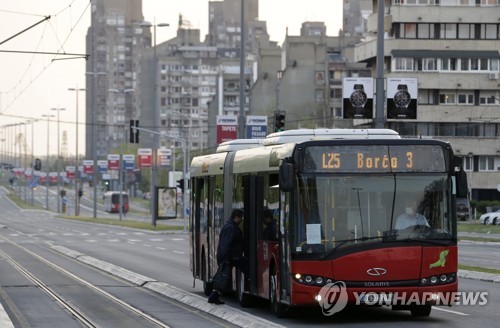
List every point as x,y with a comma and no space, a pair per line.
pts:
230,249
269,232
410,217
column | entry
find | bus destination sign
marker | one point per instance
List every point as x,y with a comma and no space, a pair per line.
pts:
374,158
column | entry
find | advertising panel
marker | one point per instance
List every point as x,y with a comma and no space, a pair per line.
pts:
227,128
402,96
357,97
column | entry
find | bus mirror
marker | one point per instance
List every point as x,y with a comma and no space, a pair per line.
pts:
286,176
462,185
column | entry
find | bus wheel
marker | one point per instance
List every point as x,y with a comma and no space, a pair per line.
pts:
244,298
277,308
420,310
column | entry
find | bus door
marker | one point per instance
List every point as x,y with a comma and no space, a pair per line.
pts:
284,242
253,191
197,195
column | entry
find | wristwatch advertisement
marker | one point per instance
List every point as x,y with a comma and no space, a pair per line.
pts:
358,97
401,98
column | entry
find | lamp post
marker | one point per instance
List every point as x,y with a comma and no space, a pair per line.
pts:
77,198
47,165
120,168
94,137
58,161
154,168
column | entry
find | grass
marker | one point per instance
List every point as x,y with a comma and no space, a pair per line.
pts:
123,223
480,228
478,269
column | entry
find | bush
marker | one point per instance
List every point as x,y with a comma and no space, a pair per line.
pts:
481,205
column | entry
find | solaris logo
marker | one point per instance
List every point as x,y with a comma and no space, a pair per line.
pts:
332,298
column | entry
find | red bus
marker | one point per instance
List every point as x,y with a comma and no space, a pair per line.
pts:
112,202
336,196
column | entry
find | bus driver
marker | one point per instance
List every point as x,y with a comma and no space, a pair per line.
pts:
410,217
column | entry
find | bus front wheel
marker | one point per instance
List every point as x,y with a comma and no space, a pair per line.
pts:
420,310
276,307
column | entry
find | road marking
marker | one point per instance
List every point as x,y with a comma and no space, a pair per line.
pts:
450,311
178,252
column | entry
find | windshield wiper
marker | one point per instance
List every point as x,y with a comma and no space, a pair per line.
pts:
330,252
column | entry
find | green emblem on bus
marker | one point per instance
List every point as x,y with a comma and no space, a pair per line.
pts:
442,260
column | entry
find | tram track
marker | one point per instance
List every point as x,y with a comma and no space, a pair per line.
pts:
85,319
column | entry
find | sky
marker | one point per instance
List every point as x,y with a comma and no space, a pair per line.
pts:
31,85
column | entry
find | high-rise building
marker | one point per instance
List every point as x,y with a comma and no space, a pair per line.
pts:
115,41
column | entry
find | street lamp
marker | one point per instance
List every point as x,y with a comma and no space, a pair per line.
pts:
77,198
47,165
94,136
120,168
155,113
58,161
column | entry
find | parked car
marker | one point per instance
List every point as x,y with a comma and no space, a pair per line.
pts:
490,218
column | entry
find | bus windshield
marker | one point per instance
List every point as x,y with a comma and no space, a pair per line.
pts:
333,212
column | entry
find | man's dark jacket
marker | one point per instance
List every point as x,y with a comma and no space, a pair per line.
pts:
230,242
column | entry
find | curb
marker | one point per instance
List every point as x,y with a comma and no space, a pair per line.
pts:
232,315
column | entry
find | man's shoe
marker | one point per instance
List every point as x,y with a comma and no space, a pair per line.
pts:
216,301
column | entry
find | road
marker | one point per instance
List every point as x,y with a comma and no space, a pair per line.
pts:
149,271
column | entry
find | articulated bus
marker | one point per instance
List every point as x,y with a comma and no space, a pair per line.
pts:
335,195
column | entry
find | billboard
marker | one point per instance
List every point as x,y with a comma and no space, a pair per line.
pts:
357,94
227,128
256,127
167,202
402,98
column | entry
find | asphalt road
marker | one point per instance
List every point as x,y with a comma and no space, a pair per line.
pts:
157,264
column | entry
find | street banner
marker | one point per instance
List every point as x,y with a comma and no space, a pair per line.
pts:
70,172
128,162
144,157
256,127
164,157
53,177
88,166
102,166
113,162
227,128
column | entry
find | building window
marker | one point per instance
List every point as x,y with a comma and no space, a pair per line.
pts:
447,99
466,99
486,163
429,64
403,64
448,31
426,31
318,95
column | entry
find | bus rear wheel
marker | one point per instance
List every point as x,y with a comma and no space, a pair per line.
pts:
420,310
245,299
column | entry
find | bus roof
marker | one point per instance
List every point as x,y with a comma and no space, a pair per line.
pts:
301,135
238,144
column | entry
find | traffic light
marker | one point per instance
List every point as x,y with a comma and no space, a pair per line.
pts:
106,185
279,120
80,193
134,133
180,184
38,164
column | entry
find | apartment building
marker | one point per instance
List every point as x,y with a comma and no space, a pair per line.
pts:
452,48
